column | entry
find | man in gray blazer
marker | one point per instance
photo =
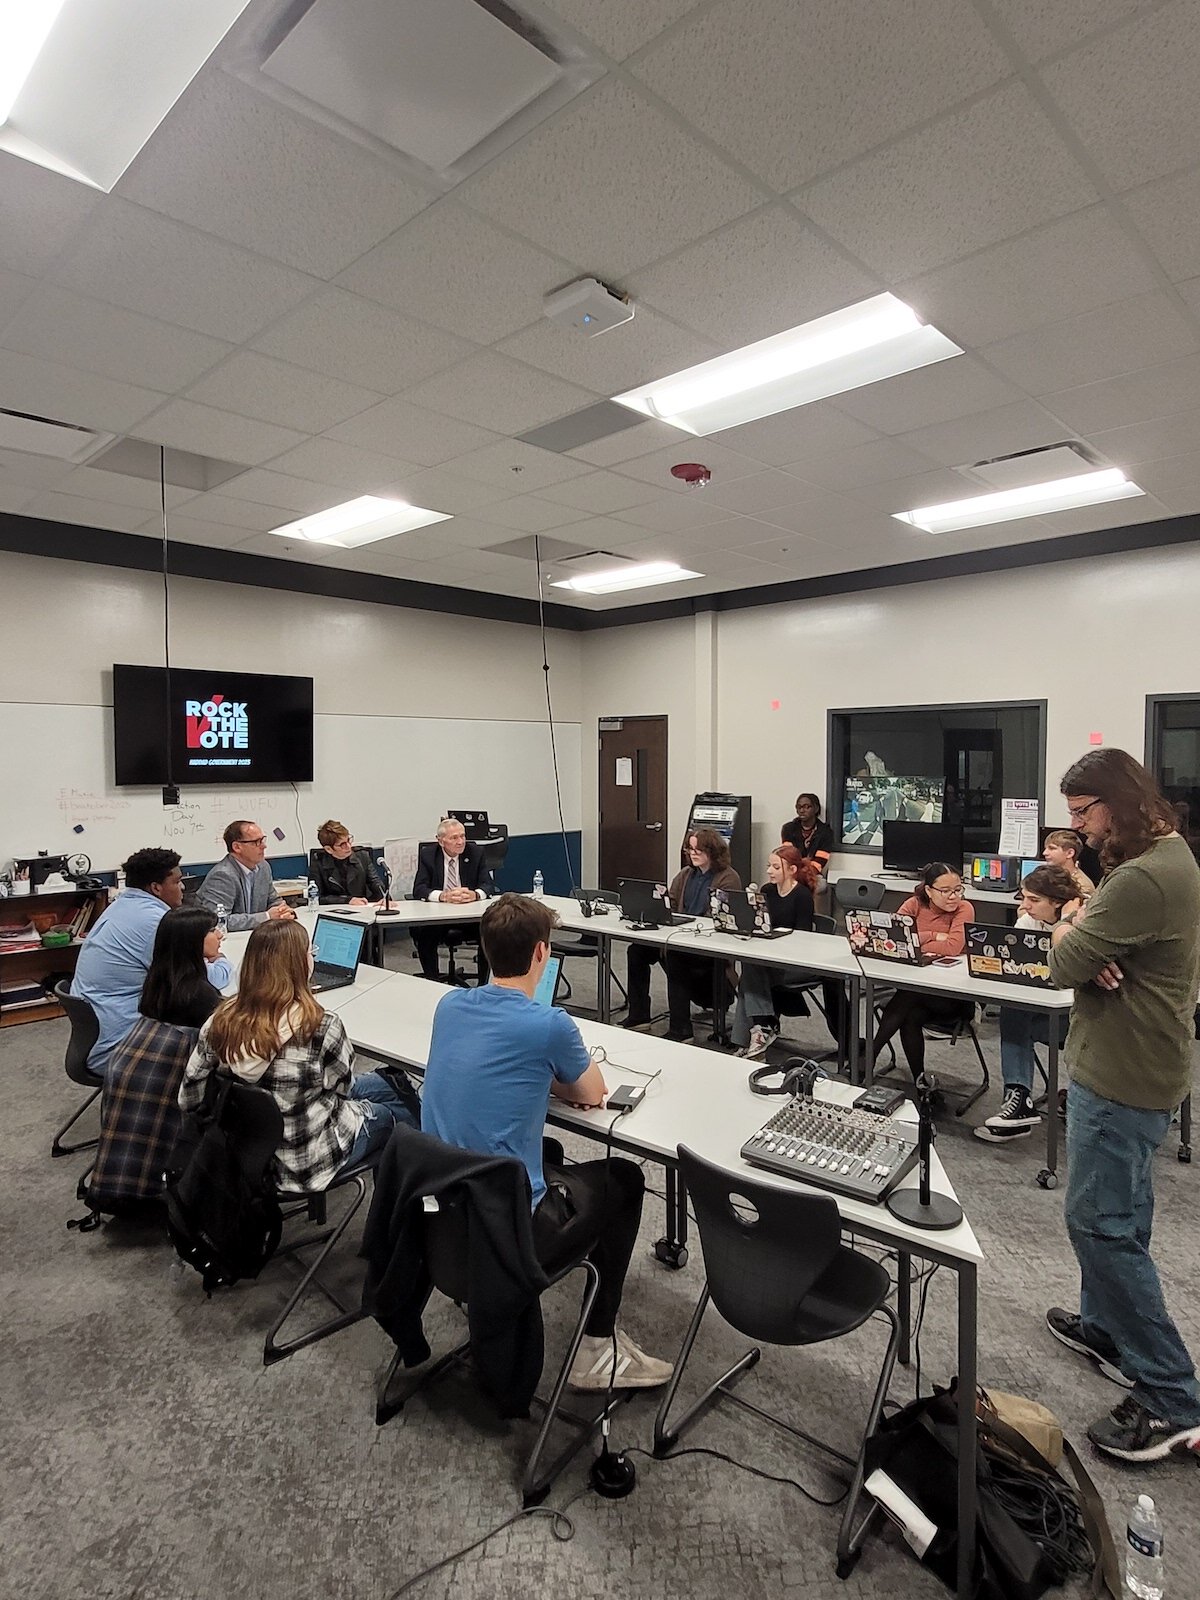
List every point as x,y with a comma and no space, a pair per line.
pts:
242,882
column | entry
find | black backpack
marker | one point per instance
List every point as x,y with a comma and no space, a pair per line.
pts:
223,1213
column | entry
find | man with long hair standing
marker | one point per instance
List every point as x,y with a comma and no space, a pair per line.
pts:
1132,955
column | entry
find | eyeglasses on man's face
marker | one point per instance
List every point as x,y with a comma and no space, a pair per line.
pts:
1077,813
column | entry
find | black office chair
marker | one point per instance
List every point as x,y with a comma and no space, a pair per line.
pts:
446,1246
496,849
191,883
859,894
568,944
85,1030
777,1271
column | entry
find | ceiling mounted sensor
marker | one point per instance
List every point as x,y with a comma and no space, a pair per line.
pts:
41,436
439,88
1028,500
588,306
865,343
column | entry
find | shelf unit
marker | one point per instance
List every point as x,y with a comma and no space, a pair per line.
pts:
56,905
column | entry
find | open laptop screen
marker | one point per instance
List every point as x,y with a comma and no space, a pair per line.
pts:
337,944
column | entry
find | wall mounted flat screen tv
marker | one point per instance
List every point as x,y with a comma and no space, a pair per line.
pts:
224,727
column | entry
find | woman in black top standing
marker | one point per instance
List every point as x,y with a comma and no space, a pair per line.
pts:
343,877
812,837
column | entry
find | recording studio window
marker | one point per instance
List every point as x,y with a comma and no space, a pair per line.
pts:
1173,756
948,763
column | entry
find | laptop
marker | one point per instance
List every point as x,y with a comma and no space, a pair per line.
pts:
885,936
546,993
744,914
1008,955
337,950
647,905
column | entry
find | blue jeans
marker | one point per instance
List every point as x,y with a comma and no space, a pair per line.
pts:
1109,1212
1019,1032
384,1109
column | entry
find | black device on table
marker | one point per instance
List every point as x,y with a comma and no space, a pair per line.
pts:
851,1152
337,949
647,905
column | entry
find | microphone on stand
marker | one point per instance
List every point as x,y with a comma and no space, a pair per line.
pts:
388,910
922,1207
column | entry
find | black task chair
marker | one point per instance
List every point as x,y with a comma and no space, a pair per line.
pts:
859,894
571,945
445,1223
778,1272
85,1030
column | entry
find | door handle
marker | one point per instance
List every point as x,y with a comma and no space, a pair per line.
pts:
653,827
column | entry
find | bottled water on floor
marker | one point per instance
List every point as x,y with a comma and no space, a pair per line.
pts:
1144,1551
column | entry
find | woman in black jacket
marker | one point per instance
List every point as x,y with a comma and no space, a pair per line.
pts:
343,877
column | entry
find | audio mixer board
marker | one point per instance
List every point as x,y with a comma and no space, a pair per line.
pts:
853,1153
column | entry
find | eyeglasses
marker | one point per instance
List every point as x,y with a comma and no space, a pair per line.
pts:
262,839
1077,813
951,894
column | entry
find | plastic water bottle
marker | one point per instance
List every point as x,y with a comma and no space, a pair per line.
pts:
314,896
1144,1551
539,885
222,918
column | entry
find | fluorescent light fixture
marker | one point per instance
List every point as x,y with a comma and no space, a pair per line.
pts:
1032,500
361,521
632,577
875,339
24,28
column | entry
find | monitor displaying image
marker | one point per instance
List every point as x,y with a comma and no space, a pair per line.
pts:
870,802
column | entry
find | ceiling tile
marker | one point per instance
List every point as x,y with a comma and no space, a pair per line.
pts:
599,491
639,440
637,352
794,553
15,289
344,336
285,493
758,492
200,531
529,513
414,434
47,389
1024,425
274,391
518,467
39,212
488,387
812,507
443,489
248,515
607,224
952,388
279,549
55,507
1100,344
875,462
1168,217
119,489
1042,29
798,435
246,169
208,432
1150,441
670,513
1117,514
34,472
132,258
61,326
757,276
15,497
485,285
684,544
1059,270
1136,397
330,461
792,90
1175,480
971,179
922,489
620,27
1131,96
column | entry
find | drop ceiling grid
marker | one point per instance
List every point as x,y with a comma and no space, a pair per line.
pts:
191,260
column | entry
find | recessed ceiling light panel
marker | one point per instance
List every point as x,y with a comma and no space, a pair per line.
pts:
865,343
1031,500
642,576
359,522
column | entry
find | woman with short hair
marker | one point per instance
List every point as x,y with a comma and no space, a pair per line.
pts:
274,1034
343,877
941,914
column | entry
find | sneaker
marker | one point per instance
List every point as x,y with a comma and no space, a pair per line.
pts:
1067,1328
593,1365
761,1040
1131,1433
1016,1119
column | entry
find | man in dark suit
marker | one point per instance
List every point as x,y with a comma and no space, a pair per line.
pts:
455,873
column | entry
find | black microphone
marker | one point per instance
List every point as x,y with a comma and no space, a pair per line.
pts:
922,1207
388,910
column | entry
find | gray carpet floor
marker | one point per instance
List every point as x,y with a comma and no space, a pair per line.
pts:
149,1454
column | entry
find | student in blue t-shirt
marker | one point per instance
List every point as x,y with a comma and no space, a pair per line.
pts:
496,1057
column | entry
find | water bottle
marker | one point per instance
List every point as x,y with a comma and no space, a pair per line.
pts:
314,896
539,885
1144,1551
222,918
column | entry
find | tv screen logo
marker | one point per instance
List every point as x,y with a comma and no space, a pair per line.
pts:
217,724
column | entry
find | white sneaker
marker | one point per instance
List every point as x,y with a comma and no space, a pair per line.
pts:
593,1365
761,1040
1016,1119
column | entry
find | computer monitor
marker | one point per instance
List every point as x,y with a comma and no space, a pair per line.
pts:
909,846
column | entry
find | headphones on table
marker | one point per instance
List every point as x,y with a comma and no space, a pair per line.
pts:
798,1076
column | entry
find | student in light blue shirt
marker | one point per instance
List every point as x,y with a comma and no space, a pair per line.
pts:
496,1057
116,954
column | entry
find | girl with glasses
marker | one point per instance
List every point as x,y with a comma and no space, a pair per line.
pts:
941,914
343,875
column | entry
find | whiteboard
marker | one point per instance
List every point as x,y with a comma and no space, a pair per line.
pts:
384,777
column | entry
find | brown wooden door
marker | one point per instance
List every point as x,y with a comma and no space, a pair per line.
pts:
633,799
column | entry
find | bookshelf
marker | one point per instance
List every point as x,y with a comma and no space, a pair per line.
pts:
24,969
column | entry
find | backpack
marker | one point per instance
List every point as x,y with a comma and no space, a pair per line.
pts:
223,1214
